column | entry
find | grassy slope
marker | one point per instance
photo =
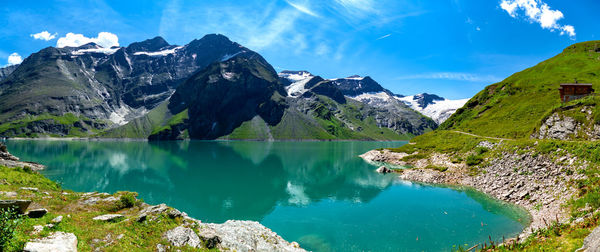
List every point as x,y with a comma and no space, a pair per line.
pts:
514,107
68,119
78,218
323,126
141,127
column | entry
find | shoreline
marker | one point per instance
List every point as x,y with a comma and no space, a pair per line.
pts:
537,189
92,139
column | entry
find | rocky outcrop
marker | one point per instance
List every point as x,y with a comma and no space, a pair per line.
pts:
535,182
246,236
562,127
592,242
56,242
183,236
8,160
383,170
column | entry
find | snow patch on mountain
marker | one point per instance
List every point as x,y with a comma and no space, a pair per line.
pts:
159,53
373,96
107,51
438,110
297,88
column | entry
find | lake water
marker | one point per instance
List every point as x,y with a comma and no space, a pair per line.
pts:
320,194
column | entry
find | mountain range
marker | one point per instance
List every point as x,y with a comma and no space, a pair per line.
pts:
210,88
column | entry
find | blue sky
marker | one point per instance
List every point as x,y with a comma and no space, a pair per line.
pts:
453,48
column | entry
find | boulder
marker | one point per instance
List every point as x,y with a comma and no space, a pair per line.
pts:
37,213
57,220
249,236
592,242
209,237
182,236
109,217
56,242
19,205
383,170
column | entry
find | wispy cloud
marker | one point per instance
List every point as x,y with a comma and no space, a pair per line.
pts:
539,12
45,35
384,36
302,8
451,76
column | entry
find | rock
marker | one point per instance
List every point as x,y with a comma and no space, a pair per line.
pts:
57,220
109,217
160,248
109,199
19,205
37,229
141,217
209,237
9,194
37,213
157,209
182,236
591,243
56,242
33,189
383,170
249,236
174,213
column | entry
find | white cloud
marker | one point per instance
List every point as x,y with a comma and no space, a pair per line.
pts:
303,8
45,35
104,39
452,76
539,12
14,59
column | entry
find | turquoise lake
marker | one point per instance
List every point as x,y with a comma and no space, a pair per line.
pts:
320,194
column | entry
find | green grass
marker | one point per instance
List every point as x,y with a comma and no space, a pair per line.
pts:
67,119
141,127
514,107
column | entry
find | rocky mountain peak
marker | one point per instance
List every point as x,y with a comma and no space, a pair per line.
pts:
426,99
148,45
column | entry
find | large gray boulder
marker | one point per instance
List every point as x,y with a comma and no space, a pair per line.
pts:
182,236
56,242
592,242
19,205
245,236
109,217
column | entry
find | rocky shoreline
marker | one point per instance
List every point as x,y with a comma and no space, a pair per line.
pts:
536,183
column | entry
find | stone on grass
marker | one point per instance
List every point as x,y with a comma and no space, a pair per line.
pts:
37,229
19,205
182,236
33,189
37,213
58,241
57,220
209,237
109,217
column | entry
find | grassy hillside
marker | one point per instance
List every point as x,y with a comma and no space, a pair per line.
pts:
142,127
514,107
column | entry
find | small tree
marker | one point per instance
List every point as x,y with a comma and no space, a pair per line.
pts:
9,221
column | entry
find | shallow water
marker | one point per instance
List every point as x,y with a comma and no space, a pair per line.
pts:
320,194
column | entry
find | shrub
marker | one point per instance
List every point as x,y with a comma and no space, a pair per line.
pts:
437,168
474,160
9,221
126,200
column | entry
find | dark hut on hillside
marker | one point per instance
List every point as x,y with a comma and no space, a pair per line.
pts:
573,91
